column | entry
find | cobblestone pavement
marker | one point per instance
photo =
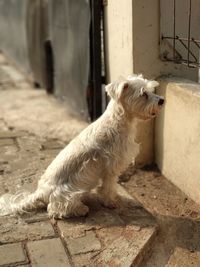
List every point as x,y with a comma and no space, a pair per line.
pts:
103,238
34,127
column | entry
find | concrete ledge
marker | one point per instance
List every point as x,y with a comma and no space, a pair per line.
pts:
177,135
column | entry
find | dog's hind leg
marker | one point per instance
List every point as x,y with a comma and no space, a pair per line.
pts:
64,204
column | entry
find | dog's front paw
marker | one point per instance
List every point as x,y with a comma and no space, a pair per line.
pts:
110,203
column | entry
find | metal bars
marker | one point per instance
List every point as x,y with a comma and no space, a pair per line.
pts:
180,46
95,60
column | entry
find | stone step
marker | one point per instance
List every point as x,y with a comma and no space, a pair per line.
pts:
184,258
106,237
176,214
159,196
119,237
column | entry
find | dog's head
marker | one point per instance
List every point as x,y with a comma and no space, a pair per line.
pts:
135,95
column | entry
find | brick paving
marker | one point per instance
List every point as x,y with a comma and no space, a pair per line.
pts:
34,127
103,238
49,252
12,253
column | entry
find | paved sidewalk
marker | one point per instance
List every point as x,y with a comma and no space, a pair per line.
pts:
164,230
29,140
104,237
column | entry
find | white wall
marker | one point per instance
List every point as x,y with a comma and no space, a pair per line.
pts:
119,38
132,46
177,135
120,61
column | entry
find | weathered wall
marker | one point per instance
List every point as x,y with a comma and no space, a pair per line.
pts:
119,38
133,38
132,45
120,50
37,33
66,25
146,39
69,32
13,38
177,135
181,29
23,31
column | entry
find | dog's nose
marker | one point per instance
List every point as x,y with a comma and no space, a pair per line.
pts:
161,102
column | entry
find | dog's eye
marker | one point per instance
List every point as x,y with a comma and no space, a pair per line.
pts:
145,95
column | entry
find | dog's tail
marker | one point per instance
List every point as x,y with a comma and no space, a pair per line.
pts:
21,202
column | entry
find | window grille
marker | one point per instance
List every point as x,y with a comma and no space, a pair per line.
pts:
180,32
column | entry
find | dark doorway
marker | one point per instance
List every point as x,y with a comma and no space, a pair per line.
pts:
49,67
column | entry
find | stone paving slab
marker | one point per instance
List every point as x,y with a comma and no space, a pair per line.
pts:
6,142
87,243
10,134
48,253
22,109
184,258
76,227
36,216
127,249
109,237
14,230
52,144
12,253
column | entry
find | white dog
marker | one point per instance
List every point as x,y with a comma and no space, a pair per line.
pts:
99,153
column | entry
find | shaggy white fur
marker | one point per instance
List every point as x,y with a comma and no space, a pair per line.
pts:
99,153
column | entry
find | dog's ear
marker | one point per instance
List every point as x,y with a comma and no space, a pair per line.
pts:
151,85
109,88
142,90
115,89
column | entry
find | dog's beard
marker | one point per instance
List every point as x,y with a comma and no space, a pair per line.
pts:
148,112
